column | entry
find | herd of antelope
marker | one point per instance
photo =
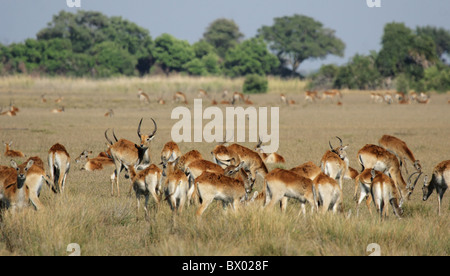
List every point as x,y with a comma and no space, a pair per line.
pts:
229,175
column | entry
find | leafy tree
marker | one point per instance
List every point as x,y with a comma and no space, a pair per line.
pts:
440,36
250,57
255,83
171,53
360,73
297,38
112,60
223,34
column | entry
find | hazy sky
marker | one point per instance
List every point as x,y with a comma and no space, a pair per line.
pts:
359,26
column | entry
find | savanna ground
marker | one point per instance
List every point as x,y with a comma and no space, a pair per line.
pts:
105,225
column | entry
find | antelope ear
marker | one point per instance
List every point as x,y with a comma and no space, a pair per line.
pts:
29,164
13,164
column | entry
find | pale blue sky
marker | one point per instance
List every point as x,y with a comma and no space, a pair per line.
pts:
359,26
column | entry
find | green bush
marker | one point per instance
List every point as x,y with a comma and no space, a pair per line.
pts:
255,84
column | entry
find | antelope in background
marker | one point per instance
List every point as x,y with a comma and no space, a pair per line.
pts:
58,110
331,94
401,150
7,113
311,96
12,153
212,186
13,191
59,164
439,182
270,158
143,97
126,153
180,97
110,113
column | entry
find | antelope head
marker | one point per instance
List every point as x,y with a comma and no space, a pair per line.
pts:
22,171
146,139
427,188
341,150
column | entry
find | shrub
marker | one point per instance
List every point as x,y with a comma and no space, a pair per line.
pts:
255,84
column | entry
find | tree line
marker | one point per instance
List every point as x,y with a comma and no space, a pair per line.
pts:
90,44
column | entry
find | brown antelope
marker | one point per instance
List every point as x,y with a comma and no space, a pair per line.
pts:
334,162
180,97
401,150
271,158
143,97
388,98
423,101
328,193
376,97
283,184
196,168
235,154
283,99
7,113
95,164
170,152
238,97
213,186
176,186
126,153
59,164
12,153
188,158
373,156
308,170
58,110
202,94
439,182
311,96
13,108
331,94
247,101
35,180
110,113
60,99
13,191
145,183
43,99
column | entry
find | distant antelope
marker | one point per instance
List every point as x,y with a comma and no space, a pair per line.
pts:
43,99
311,96
7,113
283,184
238,97
12,153
283,99
439,182
145,183
58,110
247,101
126,153
94,164
269,158
170,152
213,186
143,97
180,97
335,162
13,190
60,99
328,193
373,156
376,97
110,113
13,108
202,94
59,164
35,180
176,185
401,150
423,101
331,94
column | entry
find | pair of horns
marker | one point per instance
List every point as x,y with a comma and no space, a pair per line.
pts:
139,128
340,140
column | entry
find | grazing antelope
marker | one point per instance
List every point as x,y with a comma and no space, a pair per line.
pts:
59,164
328,193
35,180
188,158
311,96
439,182
13,191
145,183
376,97
180,97
331,94
170,152
202,94
143,97
126,153
213,186
235,154
58,110
283,184
238,97
373,156
12,153
176,186
95,164
110,113
335,162
401,150
270,158
308,170
388,98
7,113
196,168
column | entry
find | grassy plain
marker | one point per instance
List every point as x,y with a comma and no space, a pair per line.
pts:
105,225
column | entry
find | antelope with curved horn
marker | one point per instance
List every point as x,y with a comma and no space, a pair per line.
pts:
334,162
12,153
373,156
439,182
13,191
401,150
126,153
271,158
283,184
213,186
59,164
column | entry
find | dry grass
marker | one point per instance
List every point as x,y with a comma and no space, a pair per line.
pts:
105,225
